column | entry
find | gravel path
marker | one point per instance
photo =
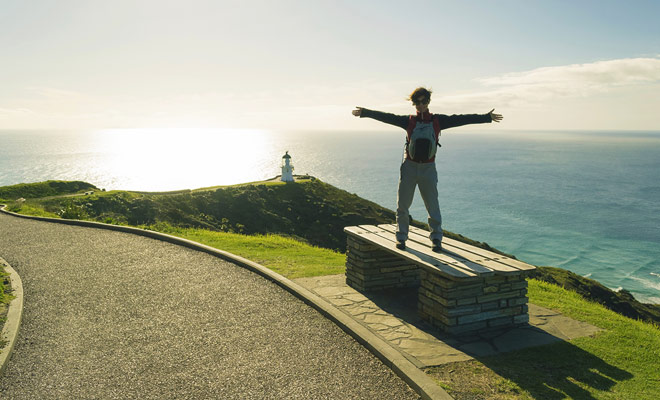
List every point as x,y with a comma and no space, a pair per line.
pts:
112,315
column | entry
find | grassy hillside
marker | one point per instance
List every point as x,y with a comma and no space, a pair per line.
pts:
621,302
43,189
309,211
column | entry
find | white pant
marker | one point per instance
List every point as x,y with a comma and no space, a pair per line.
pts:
426,176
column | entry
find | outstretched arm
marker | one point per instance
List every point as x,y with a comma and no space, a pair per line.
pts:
451,121
397,120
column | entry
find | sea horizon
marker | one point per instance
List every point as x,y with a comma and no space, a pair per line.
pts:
582,200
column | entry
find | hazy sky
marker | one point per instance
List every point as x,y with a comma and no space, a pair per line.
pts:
305,64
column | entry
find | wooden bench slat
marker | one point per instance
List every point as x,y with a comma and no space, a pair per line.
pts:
485,262
480,267
464,246
420,257
417,257
465,265
490,264
520,265
354,230
507,261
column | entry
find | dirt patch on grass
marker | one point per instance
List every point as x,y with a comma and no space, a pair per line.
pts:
471,380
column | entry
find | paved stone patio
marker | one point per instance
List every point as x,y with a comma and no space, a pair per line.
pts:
392,314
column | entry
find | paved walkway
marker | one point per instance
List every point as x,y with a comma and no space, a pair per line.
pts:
392,315
110,315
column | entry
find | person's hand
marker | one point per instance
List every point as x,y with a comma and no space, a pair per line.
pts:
495,117
358,111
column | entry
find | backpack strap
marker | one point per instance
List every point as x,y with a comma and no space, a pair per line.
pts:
436,128
412,121
436,124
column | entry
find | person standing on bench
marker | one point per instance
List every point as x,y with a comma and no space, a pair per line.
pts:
418,167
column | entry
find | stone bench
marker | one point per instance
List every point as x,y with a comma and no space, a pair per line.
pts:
463,289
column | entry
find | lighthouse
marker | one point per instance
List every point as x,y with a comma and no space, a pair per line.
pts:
287,168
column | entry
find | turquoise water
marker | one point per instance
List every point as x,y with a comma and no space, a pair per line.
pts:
585,201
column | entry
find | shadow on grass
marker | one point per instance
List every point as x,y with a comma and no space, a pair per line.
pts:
556,371
544,365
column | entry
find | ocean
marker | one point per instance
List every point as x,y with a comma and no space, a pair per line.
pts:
585,201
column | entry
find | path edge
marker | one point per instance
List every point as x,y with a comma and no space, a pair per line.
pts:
421,383
14,315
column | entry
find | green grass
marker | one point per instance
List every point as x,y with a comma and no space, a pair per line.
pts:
5,286
620,362
626,351
5,298
265,183
30,209
288,257
308,209
43,189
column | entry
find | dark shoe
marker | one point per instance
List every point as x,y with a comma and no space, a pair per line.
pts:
401,244
437,245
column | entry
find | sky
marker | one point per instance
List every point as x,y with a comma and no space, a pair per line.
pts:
304,65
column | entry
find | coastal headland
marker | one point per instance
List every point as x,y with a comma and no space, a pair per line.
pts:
309,211
295,229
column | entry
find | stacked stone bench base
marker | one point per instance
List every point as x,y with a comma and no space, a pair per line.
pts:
472,305
486,300
369,268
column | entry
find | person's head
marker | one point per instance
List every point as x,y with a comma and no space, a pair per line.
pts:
420,97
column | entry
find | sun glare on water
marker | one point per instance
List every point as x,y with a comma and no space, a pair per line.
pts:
172,159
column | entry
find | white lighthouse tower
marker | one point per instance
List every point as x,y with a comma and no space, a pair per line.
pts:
287,168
